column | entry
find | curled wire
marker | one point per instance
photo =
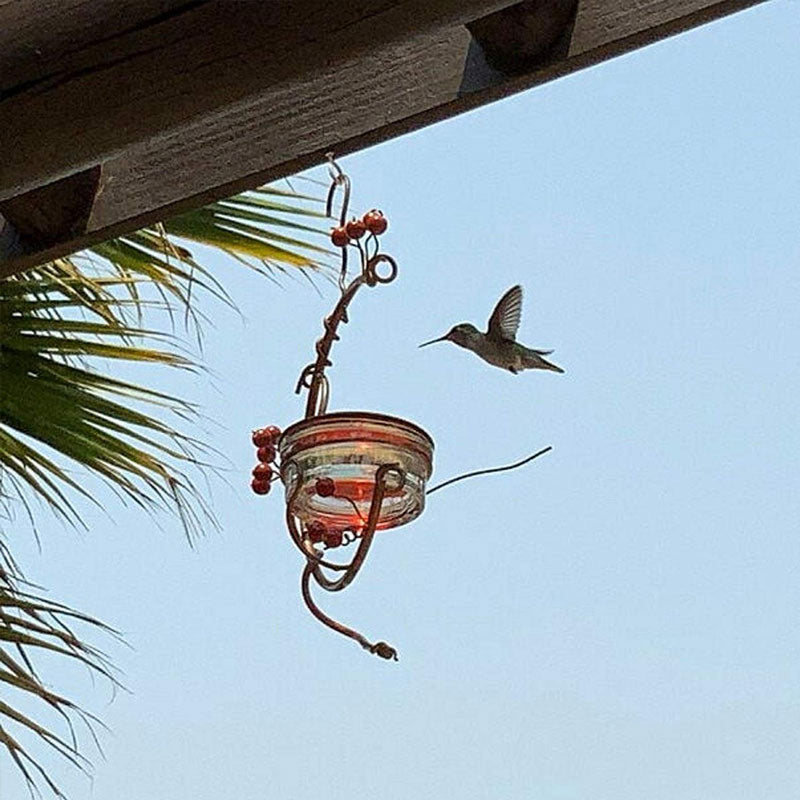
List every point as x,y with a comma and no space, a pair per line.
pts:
312,377
352,503
305,379
372,276
348,537
381,649
488,471
314,559
339,180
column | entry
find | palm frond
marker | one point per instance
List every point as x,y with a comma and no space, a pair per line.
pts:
244,226
62,324
30,624
63,328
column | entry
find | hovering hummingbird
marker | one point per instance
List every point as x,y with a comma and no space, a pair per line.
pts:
498,345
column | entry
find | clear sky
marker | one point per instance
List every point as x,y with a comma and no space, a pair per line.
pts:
618,620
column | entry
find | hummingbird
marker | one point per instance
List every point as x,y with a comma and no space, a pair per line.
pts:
498,345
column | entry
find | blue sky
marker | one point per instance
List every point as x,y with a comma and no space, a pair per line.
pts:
616,621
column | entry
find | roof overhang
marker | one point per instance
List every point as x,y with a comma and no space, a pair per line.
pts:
115,114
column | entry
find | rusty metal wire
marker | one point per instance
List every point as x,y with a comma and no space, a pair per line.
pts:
353,504
348,537
315,562
339,180
488,471
381,649
313,376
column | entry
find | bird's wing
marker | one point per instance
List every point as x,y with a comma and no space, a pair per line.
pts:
504,322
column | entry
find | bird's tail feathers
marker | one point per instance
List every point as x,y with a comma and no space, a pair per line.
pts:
535,361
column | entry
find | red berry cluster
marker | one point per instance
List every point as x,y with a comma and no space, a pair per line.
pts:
373,221
316,530
265,440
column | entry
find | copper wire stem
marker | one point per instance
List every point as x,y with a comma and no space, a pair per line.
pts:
315,563
313,378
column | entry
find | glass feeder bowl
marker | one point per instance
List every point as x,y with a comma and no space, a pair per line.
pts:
348,447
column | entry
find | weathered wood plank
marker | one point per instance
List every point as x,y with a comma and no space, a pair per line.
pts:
54,212
364,95
207,63
525,35
41,37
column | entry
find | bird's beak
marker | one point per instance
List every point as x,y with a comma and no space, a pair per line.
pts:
433,341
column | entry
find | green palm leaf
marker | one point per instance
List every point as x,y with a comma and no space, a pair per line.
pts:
63,327
30,624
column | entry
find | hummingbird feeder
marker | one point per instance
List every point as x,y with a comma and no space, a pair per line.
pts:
348,474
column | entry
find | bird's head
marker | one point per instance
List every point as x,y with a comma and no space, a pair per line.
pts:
462,335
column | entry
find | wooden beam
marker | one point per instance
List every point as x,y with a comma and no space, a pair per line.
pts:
526,35
42,38
203,65
54,212
327,82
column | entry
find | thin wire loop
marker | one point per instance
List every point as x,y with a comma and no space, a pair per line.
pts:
373,276
348,537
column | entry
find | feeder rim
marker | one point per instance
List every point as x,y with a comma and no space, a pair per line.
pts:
365,415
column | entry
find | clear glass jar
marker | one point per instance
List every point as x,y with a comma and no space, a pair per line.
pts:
348,447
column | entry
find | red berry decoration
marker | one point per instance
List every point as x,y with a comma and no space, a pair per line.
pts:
262,437
375,222
325,487
339,236
262,472
259,486
332,538
275,432
266,453
316,530
355,229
